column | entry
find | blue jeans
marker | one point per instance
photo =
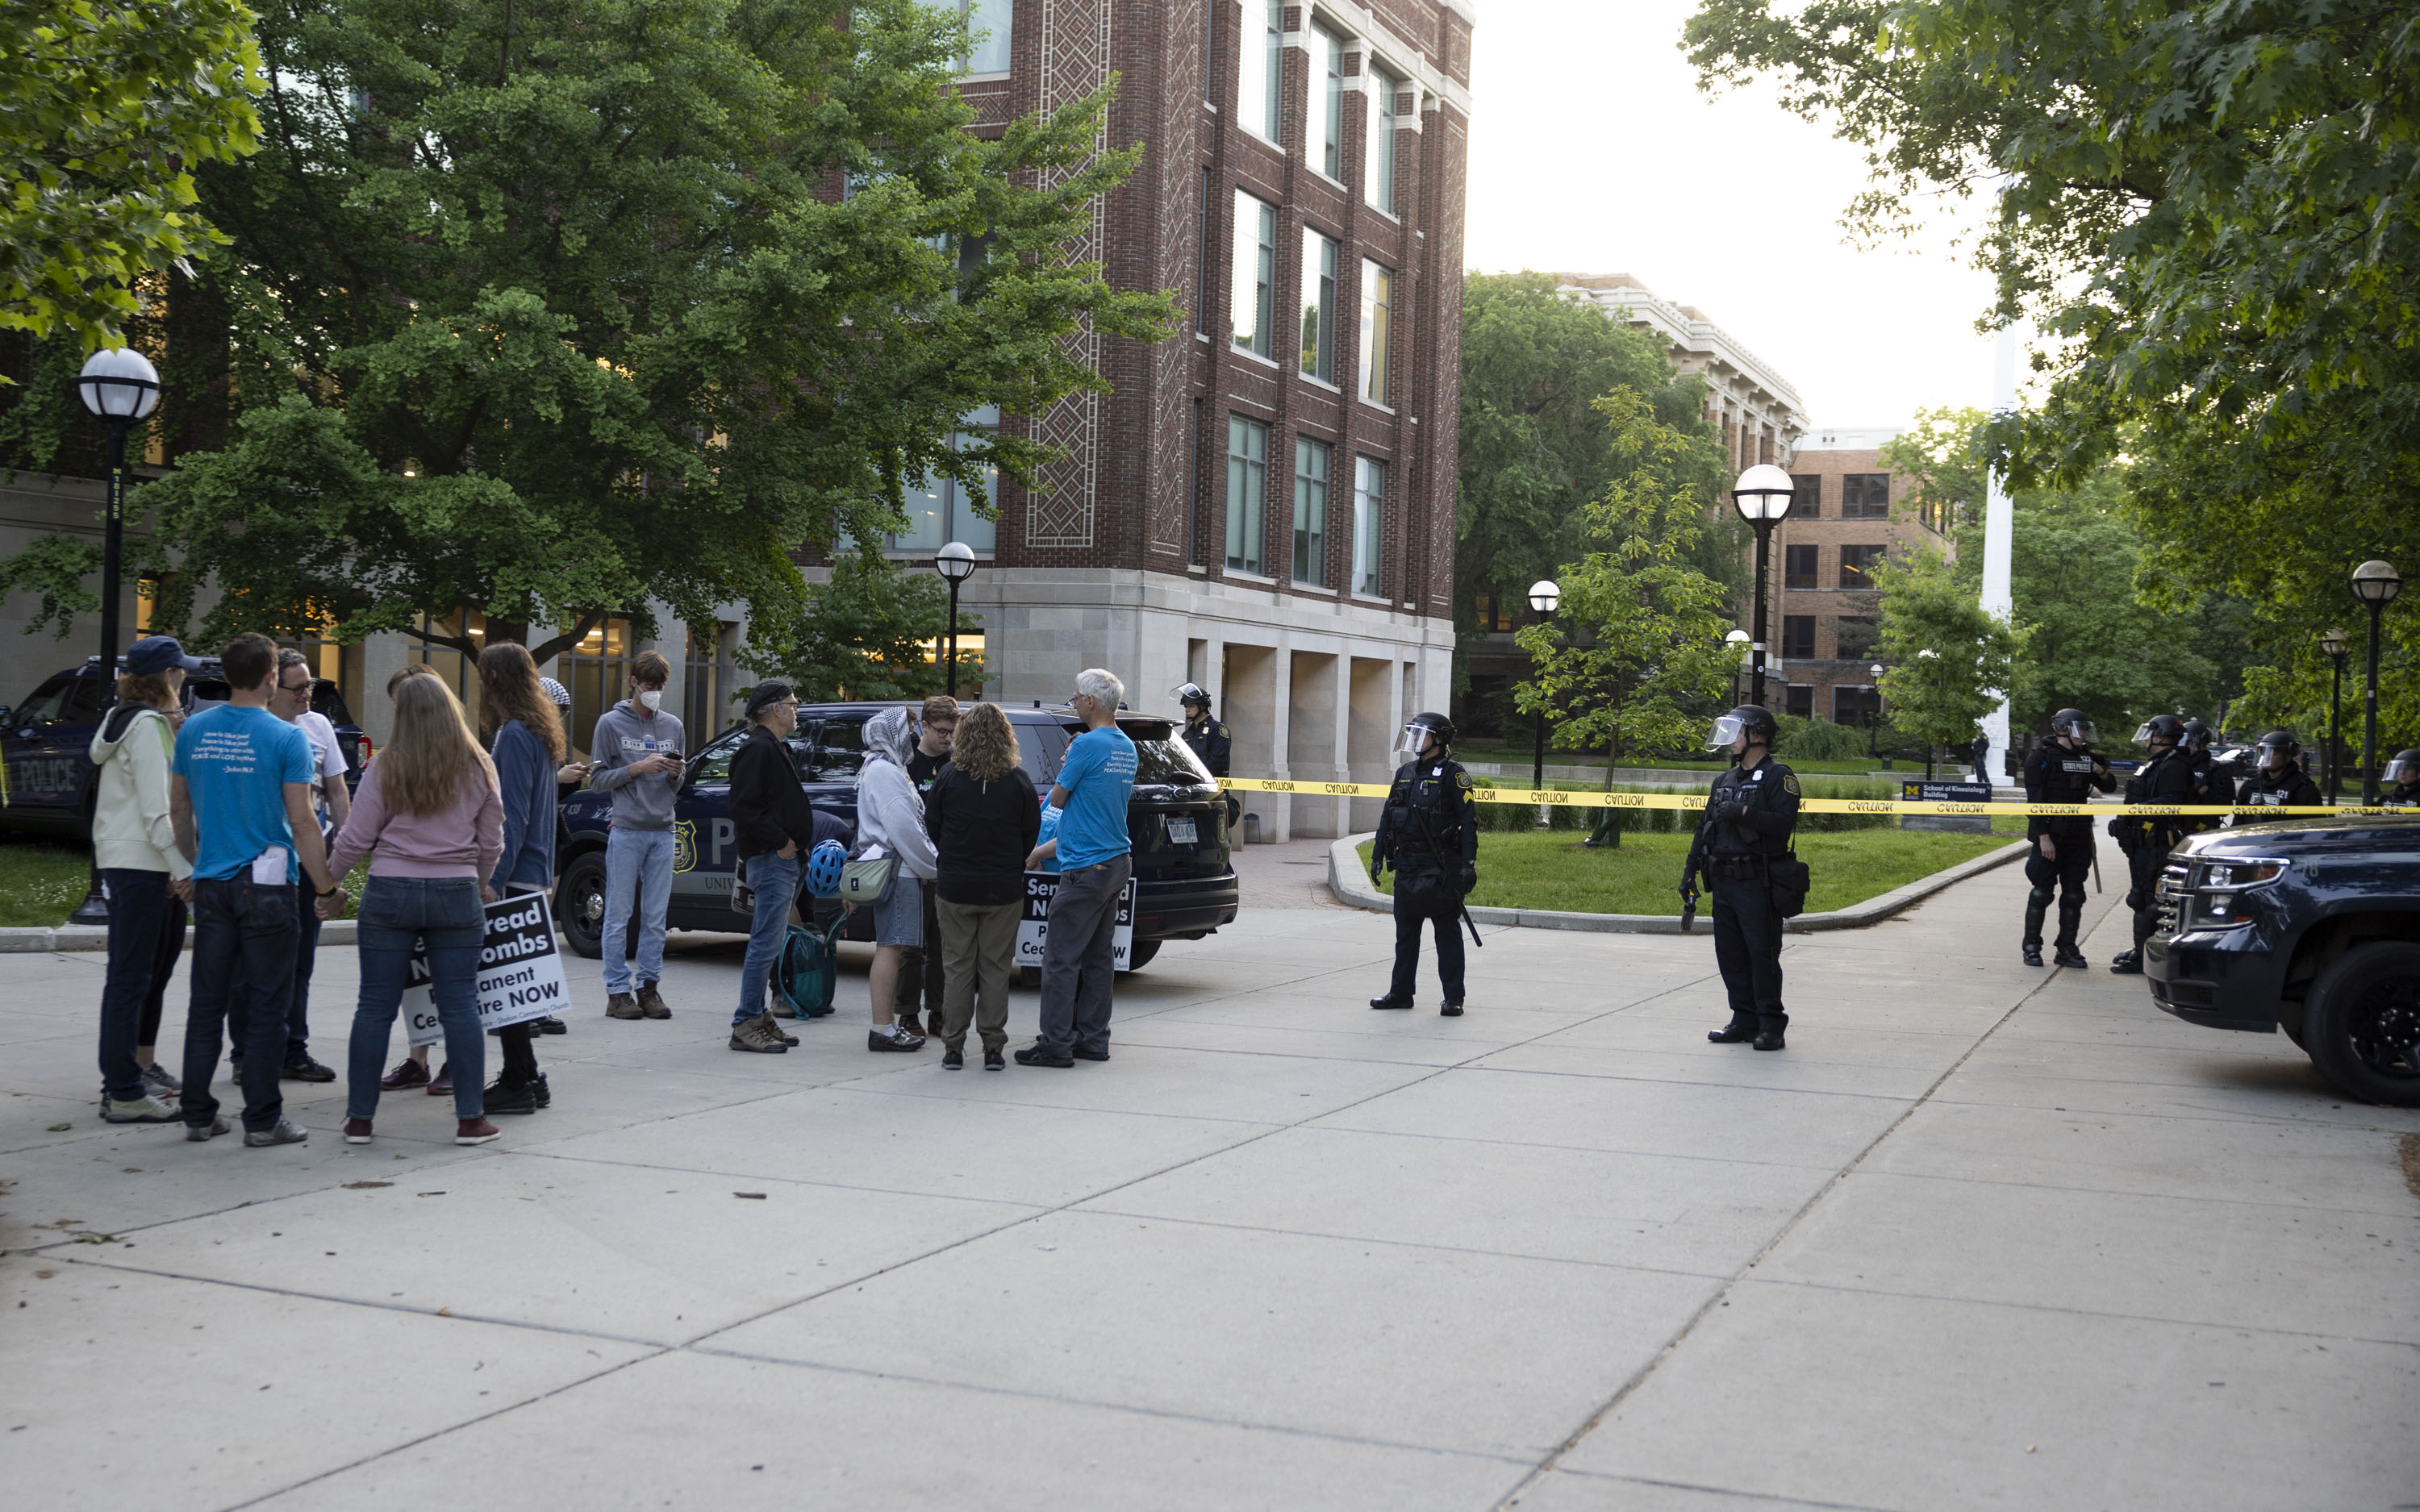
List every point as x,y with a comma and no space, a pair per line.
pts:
244,941
776,882
395,914
138,914
638,870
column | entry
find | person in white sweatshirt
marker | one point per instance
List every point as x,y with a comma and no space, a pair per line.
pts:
146,878
891,817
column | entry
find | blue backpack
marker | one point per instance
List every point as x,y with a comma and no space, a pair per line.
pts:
806,972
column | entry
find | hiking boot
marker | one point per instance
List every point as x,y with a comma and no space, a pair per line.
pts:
508,1098
357,1130
474,1131
893,1037
284,1133
409,1073
1740,1030
757,1036
2033,953
623,1006
785,1036
303,1068
156,1077
144,1109
651,1002
197,1133
2067,955
442,1085
549,1024
781,1009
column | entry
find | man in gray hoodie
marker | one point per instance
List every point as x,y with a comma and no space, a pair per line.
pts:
637,757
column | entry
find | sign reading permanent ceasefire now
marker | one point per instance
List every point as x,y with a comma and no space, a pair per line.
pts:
1692,801
520,971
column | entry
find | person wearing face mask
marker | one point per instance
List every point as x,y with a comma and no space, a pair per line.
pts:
920,967
637,757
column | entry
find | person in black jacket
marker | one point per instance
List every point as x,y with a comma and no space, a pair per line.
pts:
1428,832
2277,779
2167,778
775,827
2400,782
2062,769
985,818
2211,783
1750,815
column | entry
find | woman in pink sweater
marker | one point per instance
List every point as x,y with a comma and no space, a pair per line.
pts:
430,821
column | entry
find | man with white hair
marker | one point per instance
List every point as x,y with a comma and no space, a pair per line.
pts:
1096,780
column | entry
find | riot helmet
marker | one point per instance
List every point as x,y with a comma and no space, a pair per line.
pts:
2403,766
2074,724
1748,718
2165,727
2276,745
1420,729
2196,735
1189,693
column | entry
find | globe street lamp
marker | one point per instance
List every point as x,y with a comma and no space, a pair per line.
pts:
1544,595
1875,712
2335,644
956,562
1737,641
2375,583
121,387
1761,496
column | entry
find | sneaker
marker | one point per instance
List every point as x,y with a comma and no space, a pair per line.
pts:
994,1060
156,1077
284,1133
549,1024
651,1002
623,1006
1033,1055
954,1059
474,1131
197,1133
893,1037
1083,1053
145,1110
409,1072
303,1068
545,1094
505,1098
758,1037
442,1085
357,1130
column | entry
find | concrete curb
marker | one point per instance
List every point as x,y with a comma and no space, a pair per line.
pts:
1351,885
96,937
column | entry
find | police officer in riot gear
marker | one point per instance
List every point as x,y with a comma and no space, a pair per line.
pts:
1428,833
2063,769
2167,778
1208,740
2277,778
1749,817
2401,780
2211,783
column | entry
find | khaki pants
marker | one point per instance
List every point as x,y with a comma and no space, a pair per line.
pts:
978,948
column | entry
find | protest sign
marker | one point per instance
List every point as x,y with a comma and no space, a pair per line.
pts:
520,971
1040,888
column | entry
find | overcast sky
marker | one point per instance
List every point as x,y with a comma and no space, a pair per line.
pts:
1592,151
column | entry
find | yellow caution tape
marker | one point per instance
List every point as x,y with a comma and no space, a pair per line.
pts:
1563,797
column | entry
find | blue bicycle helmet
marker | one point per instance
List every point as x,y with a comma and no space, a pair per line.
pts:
823,869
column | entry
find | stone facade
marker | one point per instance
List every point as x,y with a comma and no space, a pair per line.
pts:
1756,409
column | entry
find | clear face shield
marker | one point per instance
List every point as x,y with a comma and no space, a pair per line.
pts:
2400,770
1413,742
1727,729
2081,732
2273,756
2143,733
1189,693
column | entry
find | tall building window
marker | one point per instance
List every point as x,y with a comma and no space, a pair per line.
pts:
1260,61
1202,260
1210,52
1856,564
1256,273
1865,496
705,683
1807,496
1310,509
1318,305
1798,701
1331,107
1798,636
1798,566
1854,636
1377,320
1369,525
1855,706
1378,147
987,52
941,510
1247,491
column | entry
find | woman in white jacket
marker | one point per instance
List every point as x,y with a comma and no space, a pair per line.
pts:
148,879
891,817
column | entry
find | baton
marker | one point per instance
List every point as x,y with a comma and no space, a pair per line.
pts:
2096,868
1464,910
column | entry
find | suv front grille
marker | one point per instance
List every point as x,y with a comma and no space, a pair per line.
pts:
2169,899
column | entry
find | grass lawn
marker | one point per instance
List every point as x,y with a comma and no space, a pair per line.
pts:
42,881
1550,869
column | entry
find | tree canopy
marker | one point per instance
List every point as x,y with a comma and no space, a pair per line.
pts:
862,635
1950,663
104,112
550,308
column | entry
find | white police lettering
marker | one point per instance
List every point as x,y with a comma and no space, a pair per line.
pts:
2082,769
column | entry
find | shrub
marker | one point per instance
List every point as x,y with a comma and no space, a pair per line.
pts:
1818,740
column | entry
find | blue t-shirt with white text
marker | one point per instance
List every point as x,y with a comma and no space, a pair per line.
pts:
235,762
1098,774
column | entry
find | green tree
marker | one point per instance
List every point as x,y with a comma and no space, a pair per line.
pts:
1949,662
550,309
864,635
1634,655
104,111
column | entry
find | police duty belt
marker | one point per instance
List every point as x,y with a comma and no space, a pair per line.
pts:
1692,802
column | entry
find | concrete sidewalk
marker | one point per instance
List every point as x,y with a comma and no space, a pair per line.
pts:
1984,1235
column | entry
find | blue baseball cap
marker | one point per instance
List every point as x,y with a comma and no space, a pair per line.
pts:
157,654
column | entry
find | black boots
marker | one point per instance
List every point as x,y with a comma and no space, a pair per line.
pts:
1741,1029
1768,1034
1390,1000
2034,912
2129,964
2033,952
2067,955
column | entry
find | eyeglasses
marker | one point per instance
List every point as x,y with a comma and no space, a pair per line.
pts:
304,686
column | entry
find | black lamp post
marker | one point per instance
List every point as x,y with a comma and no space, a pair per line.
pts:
956,562
2375,583
1761,496
1544,595
1874,713
2335,644
121,387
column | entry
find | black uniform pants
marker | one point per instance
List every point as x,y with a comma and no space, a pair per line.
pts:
2145,866
1445,918
2067,875
1747,946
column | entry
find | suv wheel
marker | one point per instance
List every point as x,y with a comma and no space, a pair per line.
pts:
2363,1025
580,904
1139,954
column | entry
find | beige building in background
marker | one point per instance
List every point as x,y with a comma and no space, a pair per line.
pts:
1756,410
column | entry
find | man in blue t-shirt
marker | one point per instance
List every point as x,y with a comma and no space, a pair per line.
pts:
240,800
1095,780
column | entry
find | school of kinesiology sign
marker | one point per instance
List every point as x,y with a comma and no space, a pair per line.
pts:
520,971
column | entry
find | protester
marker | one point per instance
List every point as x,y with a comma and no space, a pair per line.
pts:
430,821
774,827
144,875
919,967
637,757
1096,781
525,740
891,821
985,822
241,802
